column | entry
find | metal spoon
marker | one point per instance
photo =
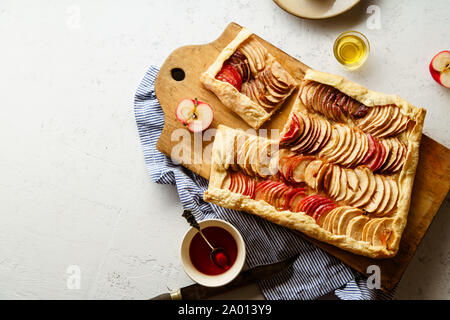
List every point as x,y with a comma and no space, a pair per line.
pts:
214,251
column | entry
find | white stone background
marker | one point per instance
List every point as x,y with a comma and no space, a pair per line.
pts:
74,189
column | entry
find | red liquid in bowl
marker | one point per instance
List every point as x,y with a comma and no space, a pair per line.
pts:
199,251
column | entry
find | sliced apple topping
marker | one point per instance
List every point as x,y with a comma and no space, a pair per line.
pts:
255,53
278,194
382,232
315,206
305,133
330,102
240,183
229,73
355,227
256,156
384,121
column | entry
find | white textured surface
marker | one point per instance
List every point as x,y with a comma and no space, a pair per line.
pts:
74,189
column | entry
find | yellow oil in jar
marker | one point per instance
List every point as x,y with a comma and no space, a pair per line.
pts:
351,49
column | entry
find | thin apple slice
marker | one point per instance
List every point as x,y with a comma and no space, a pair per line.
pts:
382,116
334,221
440,68
281,77
303,143
226,183
328,222
292,196
371,226
354,149
311,172
300,142
305,202
387,195
261,189
295,200
395,152
363,150
367,231
399,166
394,111
372,148
241,147
377,196
316,96
390,154
393,197
352,185
325,221
310,96
356,226
335,183
246,49
298,173
332,143
306,86
327,136
344,157
310,208
343,186
394,126
322,212
325,185
371,115
309,145
370,190
348,214
320,177
363,185
250,157
334,113
384,155
343,143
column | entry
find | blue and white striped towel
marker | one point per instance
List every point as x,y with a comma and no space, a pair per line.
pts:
314,274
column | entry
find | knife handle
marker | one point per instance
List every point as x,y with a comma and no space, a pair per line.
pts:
176,295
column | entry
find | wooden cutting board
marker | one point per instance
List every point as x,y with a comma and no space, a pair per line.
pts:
432,180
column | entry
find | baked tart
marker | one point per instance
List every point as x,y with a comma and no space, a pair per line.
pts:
248,79
341,172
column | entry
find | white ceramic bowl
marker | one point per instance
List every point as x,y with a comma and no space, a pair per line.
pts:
213,280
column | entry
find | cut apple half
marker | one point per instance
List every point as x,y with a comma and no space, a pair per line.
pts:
440,68
195,115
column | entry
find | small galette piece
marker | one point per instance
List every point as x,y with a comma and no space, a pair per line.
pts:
249,80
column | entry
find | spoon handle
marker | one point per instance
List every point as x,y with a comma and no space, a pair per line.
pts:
204,238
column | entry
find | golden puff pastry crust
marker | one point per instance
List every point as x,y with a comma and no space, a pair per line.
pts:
250,111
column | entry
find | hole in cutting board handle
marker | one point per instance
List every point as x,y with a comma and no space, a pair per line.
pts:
177,74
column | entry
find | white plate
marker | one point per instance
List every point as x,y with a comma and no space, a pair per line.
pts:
316,9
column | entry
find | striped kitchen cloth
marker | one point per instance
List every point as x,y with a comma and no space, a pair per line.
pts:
314,274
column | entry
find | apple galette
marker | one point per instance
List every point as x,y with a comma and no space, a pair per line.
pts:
248,79
341,172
